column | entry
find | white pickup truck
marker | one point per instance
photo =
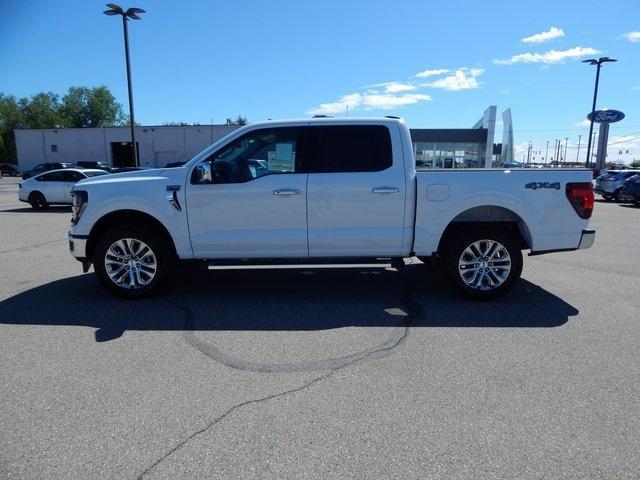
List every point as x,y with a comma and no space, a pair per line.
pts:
338,190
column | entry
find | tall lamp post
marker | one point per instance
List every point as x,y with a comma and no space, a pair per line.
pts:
130,13
598,63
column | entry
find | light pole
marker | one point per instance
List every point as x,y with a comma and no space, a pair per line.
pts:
130,13
546,153
578,153
598,63
566,141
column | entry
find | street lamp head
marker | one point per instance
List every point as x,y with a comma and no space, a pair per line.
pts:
590,61
114,9
133,13
607,59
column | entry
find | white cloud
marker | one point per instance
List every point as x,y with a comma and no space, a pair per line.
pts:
552,56
394,87
553,32
431,73
582,123
462,79
369,101
632,36
635,87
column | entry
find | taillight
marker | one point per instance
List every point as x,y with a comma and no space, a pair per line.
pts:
580,194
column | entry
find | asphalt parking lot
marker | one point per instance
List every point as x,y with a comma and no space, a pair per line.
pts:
332,373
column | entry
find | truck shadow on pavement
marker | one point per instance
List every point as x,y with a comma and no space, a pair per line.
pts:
284,300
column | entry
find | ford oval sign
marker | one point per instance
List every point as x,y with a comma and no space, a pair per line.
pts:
606,116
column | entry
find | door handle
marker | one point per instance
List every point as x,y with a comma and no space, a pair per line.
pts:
386,190
286,191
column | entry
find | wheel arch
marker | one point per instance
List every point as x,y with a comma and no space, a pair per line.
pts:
488,215
117,217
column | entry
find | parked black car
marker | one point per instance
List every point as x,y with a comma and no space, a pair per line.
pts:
94,165
631,190
127,169
44,167
8,170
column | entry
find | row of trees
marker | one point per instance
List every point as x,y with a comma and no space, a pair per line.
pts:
79,107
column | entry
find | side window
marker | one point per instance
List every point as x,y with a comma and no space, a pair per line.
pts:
352,148
72,176
51,177
256,154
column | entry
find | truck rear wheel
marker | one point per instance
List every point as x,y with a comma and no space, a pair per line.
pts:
132,261
483,262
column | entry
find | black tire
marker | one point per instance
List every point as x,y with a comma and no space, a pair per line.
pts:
491,270
38,201
162,254
616,195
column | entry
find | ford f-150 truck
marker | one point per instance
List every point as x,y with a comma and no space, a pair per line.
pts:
340,189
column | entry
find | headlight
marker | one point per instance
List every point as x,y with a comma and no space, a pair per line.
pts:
79,199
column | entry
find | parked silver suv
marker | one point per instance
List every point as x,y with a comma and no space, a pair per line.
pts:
609,185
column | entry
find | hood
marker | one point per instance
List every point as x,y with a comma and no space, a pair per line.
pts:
134,176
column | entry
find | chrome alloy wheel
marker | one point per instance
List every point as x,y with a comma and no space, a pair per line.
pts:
130,263
484,265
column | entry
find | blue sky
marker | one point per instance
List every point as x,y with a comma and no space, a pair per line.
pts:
437,64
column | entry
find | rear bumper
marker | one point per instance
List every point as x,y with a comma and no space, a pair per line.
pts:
587,238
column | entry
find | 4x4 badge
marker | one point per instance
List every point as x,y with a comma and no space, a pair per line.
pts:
537,185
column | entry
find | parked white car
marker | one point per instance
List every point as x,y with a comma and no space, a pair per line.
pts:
340,189
53,187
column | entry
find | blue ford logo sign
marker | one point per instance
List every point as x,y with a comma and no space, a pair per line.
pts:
606,116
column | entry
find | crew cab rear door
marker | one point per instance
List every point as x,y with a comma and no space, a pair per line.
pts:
255,205
356,191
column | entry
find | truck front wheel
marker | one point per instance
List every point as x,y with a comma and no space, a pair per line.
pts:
483,262
132,261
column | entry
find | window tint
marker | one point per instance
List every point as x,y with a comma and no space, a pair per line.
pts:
72,176
351,148
52,177
256,154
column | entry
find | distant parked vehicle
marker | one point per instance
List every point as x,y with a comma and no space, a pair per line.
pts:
174,164
44,167
8,170
609,185
127,169
53,187
93,165
631,190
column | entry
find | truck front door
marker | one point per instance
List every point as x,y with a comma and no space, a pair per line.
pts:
254,205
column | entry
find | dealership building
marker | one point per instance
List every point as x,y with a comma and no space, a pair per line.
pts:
159,145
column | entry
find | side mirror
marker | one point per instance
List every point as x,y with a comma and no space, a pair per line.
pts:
202,174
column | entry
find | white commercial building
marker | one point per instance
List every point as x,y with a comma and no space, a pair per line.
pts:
157,146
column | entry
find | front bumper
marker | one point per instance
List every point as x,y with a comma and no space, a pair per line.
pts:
78,246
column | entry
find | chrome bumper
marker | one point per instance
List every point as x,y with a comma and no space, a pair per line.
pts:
587,239
78,246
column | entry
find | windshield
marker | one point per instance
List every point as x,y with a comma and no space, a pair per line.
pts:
95,174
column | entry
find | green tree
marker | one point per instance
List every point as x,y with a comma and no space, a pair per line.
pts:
10,117
41,111
239,120
635,164
91,107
